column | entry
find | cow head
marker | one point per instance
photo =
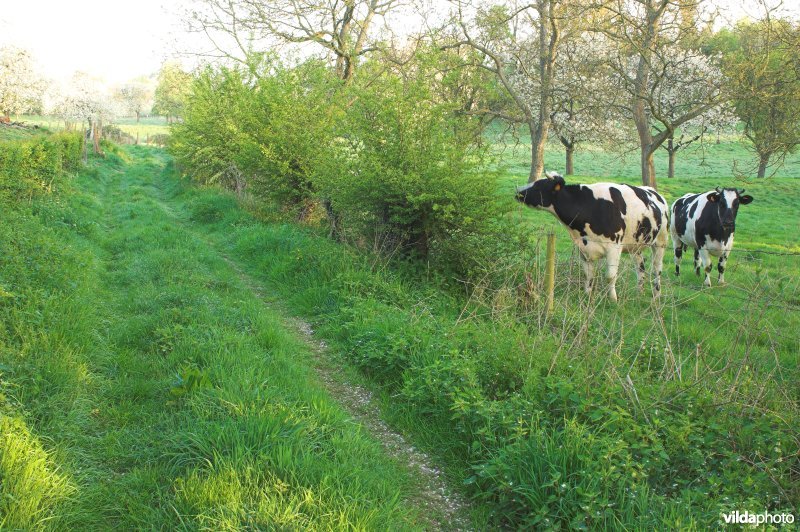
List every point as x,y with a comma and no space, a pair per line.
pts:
541,193
727,201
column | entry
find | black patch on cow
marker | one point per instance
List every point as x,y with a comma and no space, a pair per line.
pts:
644,231
642,194
681,212
576,206
709,227
618,200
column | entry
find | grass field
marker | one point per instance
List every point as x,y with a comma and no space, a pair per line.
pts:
707,159
146,127
143,385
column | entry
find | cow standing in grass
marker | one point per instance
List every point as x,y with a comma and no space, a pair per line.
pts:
605,220
706,222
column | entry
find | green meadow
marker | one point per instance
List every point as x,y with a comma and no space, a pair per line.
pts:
145,383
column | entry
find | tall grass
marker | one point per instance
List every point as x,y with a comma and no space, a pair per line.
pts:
144,386
639,415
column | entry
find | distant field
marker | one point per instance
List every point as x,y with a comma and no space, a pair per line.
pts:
146,127
14,133
707,159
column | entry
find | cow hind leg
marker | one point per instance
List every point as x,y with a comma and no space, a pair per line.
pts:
612,267
678,248
640,270
658,266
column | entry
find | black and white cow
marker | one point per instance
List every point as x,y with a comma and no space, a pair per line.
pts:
605,220
706,222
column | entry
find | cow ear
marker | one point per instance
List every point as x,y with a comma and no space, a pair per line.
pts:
744,200
557,187
712,197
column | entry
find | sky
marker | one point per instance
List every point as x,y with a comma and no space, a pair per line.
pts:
112,39
117,40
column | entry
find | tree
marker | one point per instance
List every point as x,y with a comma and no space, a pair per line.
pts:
764,81
688,79
135,97
84,100
519,44
653,45
717,120
173,86
586,100
20,87
342,28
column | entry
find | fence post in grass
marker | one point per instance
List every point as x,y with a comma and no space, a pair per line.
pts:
550,271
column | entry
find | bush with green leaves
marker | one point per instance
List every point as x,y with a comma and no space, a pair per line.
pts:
263,132
404,172
31,167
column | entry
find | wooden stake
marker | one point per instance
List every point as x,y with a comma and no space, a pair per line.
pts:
550,271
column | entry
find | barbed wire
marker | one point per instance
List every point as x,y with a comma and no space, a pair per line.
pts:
643,246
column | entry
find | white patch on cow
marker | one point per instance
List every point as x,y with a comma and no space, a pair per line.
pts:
730,196
523,188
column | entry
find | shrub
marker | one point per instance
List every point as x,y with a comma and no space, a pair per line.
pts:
29,168
403,172
262,133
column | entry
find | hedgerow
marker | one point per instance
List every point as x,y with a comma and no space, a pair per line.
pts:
32,167
396,169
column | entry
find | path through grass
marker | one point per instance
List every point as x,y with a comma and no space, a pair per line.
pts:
145,384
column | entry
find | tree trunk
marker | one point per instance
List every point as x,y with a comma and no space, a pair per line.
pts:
333,219
96,136
671,169
538,138
763,162
137,116
671,150
648,168
569,165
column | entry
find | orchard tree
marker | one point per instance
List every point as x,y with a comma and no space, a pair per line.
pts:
716,121
763,77
135,98
170,94
688,80
519,45
344,29
586,100
654,46
20,87
84,100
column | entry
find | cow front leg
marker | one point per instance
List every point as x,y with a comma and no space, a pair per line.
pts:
723,260
588,271
696,261
705,259
658,266
612,267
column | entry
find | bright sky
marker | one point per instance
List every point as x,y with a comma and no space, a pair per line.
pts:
118,40
113,39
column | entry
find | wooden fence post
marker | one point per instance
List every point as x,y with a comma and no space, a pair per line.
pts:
550,271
